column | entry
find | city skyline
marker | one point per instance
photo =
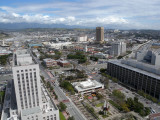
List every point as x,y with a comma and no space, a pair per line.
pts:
116,14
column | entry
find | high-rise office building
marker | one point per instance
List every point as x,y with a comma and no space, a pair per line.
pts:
32,100
26,81
99,34
118,48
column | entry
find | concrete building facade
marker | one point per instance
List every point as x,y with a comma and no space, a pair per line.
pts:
135,77
82,38
151,57
49,62
118,48
33,101
87,86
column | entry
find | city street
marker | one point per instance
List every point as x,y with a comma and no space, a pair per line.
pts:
71,108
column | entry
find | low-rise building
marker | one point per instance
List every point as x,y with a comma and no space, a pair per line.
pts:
87,86
4,52
49,62
101,55
63,63
57,45
155,116
82,38
35,45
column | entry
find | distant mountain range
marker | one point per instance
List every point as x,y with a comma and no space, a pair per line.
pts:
16,26
34,25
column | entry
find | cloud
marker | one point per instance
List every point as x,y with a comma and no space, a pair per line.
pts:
69,20
134,13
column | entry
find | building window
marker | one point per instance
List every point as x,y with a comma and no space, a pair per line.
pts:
17,71
21,70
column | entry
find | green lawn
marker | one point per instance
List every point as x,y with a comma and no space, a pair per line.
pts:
61,116
99,105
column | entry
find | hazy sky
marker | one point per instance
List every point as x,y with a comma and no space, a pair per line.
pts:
140,14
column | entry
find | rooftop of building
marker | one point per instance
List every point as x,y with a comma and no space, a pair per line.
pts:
48,60
99,27
128,66
154,116
33,45
22,52
63,61
22,57
86,85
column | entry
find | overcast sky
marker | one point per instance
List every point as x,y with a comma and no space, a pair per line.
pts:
132,14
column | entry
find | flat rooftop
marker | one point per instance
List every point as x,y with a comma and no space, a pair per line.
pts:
22,57
87,85
23,52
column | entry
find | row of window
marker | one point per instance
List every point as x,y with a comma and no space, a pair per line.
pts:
28,89
50,117
26,70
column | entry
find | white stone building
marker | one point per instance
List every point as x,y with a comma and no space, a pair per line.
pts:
87,86
82,38
32,100
118,48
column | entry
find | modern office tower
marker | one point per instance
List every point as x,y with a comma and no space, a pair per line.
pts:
99,34
137,75
33,101
118,48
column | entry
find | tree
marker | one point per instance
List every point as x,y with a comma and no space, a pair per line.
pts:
147,111
67,85
99,96
136,99
94,58
130,103
115,80
48,84
51,88
71,118
43,79
138,107
78,55
62,107
118,94
124,107
102,70
3,59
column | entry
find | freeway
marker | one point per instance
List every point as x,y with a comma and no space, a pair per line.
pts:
71,108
